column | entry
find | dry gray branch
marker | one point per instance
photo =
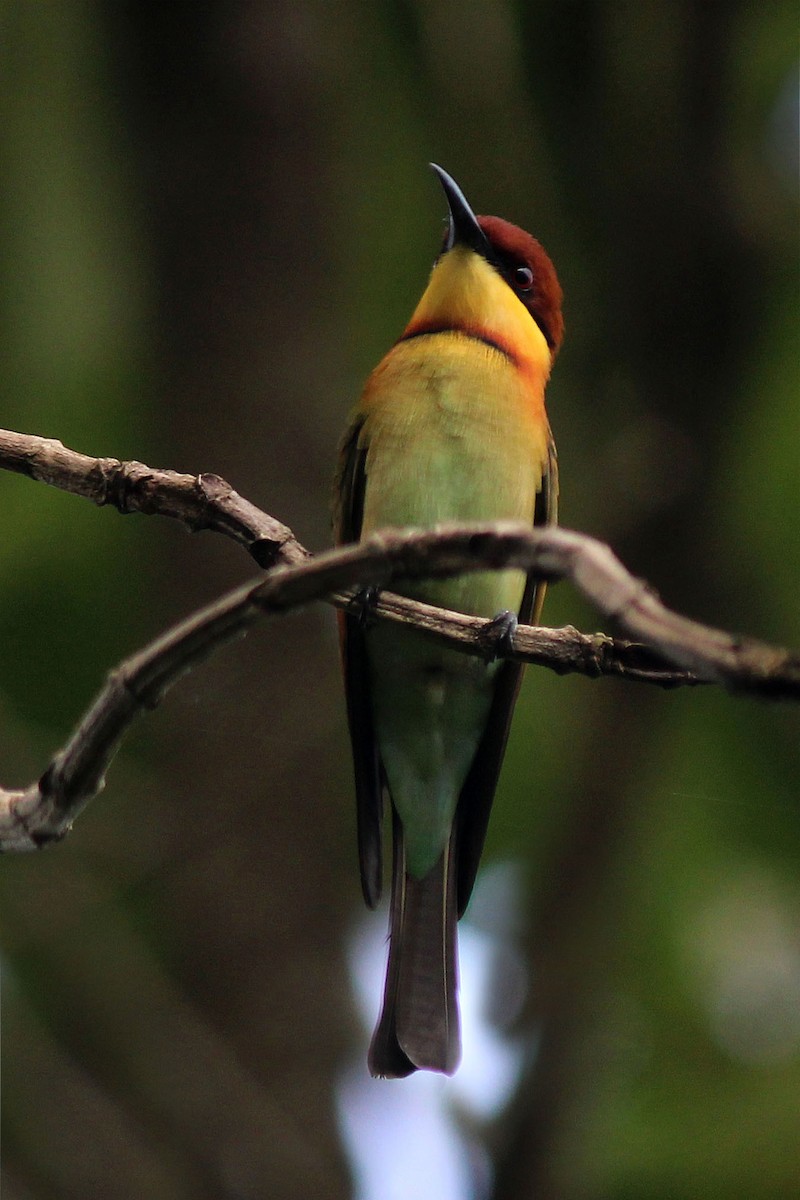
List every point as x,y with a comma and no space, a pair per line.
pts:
197,501
44,811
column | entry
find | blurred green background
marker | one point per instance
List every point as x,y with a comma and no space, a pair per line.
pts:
214,220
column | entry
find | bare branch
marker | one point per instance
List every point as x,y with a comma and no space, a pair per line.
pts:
44,812
712,655
208,502
197,501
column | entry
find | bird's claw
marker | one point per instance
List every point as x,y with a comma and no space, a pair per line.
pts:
364,602
497,637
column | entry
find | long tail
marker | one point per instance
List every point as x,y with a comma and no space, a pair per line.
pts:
419,1023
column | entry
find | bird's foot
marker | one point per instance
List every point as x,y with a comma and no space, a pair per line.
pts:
497,638
364,602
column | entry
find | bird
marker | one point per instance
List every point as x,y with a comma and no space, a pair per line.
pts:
450,427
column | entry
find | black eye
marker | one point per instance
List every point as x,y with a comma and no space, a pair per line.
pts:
523,279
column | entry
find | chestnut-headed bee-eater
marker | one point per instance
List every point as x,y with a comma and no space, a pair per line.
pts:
451,426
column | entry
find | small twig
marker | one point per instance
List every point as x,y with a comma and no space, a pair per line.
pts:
197,501
565,651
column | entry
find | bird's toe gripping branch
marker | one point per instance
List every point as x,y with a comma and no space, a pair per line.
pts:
497,637
364,603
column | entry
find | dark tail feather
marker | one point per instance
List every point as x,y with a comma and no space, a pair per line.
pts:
419,1025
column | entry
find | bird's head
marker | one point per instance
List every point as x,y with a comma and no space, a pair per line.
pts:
492,277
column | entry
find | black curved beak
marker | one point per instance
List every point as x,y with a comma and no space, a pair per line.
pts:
464,229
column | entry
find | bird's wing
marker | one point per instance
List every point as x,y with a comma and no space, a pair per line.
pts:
348,509
477,794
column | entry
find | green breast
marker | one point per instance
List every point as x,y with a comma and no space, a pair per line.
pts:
451,437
